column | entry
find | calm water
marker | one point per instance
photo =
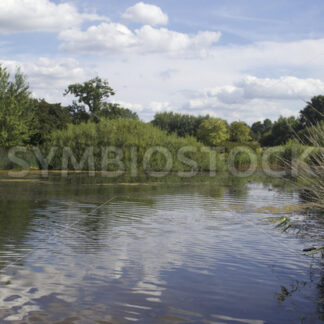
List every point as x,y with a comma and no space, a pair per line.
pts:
190,252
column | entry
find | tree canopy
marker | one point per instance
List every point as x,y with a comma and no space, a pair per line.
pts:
260,128
239,132
213,131
15,115
91,93
283,129
313,112
25,120
181,124
115,111
46,119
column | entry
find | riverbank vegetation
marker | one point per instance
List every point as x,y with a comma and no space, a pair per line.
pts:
92,121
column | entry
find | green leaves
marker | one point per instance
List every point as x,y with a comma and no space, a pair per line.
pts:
15,113
213,131
126,134
313,112
239,132
181,124
91,93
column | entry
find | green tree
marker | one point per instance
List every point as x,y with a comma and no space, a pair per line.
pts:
258,129
78,113
240,132
181,124
313,112
115,111
213,131
283,129
91,93
47,118
15,116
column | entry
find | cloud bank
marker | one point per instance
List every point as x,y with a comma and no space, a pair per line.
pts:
40,15
110,38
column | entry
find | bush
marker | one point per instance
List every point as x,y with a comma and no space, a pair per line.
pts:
229,146
284,155
27,158
311,173
125,135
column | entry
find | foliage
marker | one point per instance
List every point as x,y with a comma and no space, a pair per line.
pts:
15,115
47,118
24,120
126,134
284,129
27,157
115,111
311,173
213,131
307,134
108,111
313,112
258,129
78,113
181,124
91,93
229,146
240,132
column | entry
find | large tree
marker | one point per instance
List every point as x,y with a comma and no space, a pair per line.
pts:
92,93
46,119
283,129
240,132
15,114
258,129
213,131
313,112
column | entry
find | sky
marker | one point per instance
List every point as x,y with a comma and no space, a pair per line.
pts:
233,59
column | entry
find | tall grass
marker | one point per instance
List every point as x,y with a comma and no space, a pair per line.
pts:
28,158
289,155
310,173
127,135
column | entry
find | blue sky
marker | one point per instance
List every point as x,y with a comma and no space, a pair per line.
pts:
238,59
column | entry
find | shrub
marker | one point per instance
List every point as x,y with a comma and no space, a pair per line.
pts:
126,135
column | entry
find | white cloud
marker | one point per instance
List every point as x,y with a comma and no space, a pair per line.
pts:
39,15
157,106
106,37
284,88
131,106
49,77
250,111
251,98
287,87
146,14
114,37
148,110
223,83
164,40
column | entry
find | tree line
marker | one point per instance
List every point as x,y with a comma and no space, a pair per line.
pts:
25,120
215,131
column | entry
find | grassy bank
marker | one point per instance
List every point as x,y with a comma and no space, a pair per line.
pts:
116,145
131,142
310,173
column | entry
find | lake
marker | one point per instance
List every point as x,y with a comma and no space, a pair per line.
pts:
93,250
